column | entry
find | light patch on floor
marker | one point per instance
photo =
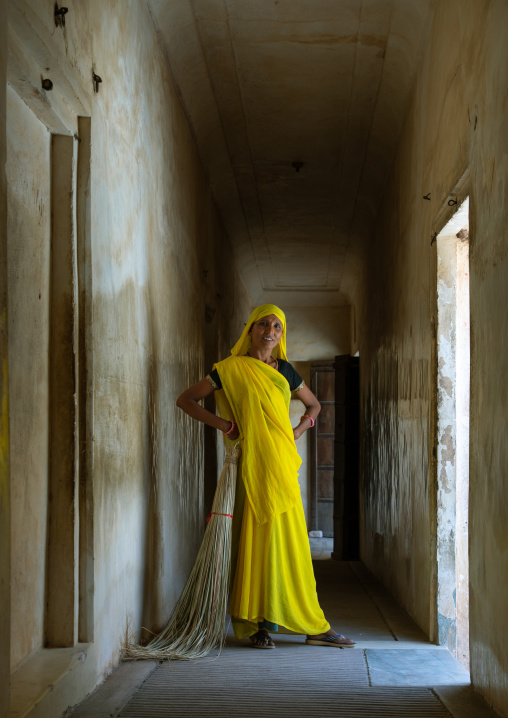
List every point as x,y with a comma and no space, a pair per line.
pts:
415,667
321,548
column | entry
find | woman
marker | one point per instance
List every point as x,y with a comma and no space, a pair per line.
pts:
273,585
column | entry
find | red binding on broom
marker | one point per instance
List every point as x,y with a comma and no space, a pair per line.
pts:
217,514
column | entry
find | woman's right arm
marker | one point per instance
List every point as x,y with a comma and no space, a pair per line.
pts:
188,402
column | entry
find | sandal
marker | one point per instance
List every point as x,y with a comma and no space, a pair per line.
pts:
262,639
331,641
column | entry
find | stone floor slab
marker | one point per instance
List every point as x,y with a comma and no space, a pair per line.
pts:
114,693
415,667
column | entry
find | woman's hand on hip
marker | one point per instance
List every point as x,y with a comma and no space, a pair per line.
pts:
235,433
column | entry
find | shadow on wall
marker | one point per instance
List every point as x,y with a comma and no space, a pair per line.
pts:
153,527
172,502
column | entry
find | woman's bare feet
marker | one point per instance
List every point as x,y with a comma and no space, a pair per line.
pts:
330,638
262,639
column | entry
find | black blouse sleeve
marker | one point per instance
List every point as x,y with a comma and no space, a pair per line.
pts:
295,381
215,379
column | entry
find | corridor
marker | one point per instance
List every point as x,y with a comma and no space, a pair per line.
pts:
393,672
167,166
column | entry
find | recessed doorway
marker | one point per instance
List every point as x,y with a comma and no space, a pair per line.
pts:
452,353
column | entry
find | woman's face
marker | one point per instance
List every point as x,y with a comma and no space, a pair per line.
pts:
266,332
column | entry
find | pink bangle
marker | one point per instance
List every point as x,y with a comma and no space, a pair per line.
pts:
306,416
229,432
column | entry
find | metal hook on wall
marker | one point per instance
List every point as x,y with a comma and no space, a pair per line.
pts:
60,13
96,82
451,202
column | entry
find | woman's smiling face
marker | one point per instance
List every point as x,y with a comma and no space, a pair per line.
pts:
266,332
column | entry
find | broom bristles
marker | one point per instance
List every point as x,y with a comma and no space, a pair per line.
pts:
197,625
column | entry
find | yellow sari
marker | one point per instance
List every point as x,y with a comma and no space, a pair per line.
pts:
272,576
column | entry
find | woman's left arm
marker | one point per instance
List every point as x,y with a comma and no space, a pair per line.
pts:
312,408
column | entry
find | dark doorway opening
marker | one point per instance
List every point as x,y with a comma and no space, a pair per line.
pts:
346,523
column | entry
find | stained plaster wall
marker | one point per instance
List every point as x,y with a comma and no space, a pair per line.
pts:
28,149
316,333
457,119
4,396
158,255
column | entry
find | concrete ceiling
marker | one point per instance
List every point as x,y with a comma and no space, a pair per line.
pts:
266,83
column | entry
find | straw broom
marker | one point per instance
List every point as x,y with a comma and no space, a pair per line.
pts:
197,623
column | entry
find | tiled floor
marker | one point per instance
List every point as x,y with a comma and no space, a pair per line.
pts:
393,671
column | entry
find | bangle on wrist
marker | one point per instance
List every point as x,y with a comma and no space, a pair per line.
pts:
306,416
230,430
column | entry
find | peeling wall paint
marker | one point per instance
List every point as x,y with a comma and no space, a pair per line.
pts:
446,444
457,120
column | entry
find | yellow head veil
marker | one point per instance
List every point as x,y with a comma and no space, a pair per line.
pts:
242,345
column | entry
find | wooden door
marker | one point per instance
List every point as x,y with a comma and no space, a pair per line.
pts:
322,448
347,458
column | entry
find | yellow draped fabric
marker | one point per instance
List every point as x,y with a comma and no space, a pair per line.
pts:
259,398
272,575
